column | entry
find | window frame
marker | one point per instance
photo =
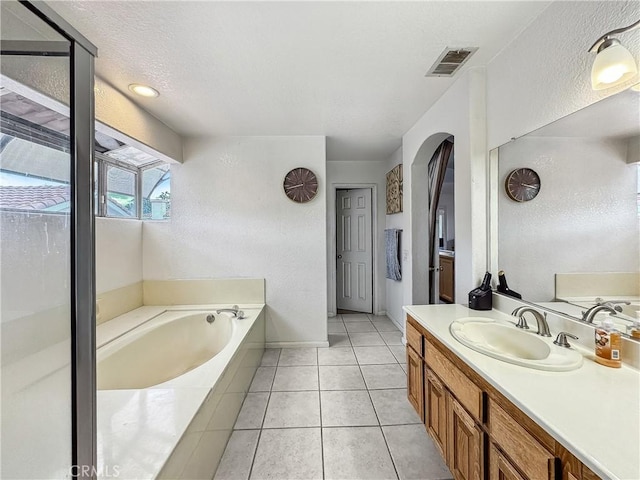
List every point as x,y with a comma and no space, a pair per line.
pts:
104,161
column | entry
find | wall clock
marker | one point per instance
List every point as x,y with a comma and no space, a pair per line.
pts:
300,185
522,184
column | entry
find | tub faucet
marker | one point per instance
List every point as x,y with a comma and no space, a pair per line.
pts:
590,314
541,320
234,310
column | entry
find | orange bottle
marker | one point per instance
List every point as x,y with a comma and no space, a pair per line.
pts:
608,341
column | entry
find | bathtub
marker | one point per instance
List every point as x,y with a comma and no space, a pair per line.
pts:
169,383
172,345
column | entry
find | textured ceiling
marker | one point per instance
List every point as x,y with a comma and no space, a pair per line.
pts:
353,71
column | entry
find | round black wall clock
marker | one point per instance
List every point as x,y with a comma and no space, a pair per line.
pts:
300,185
522,184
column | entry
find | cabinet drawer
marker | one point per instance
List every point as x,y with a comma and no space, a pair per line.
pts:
467,392
525,451
414,338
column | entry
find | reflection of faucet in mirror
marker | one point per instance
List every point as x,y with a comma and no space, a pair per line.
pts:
590,314
543,326
615,304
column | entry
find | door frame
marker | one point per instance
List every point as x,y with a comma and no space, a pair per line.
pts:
332,301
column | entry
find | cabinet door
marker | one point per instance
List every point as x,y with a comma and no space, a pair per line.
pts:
500,468
414,381
435,410
464,443
447,279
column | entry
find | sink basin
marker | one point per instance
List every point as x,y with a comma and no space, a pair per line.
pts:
505,342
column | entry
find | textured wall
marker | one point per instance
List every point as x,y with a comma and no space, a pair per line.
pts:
555,234
231,218
459,112
354,173
395,299
118,253
545,73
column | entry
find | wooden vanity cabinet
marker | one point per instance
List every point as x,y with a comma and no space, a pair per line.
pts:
435,410
465,440
415,366
500,468
479,432
447,282
415,386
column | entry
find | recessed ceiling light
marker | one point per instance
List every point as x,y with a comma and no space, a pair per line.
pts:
143,90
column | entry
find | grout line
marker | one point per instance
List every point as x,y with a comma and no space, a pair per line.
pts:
255,453
379,425
320,411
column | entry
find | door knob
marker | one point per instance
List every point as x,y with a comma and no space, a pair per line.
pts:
339,256
441,268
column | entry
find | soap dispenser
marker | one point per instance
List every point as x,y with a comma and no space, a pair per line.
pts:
634,329
608,344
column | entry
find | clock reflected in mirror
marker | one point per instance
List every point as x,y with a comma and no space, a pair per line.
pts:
300,185
522,184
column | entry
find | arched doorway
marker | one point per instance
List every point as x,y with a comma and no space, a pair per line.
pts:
433,219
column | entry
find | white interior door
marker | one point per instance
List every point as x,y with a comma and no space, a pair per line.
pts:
354,250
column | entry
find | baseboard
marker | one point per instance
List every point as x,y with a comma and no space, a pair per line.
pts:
295,344
396,323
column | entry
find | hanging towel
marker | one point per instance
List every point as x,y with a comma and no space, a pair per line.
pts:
392,249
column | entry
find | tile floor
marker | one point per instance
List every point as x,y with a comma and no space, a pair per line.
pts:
334,413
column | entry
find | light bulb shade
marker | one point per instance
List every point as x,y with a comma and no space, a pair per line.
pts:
612,66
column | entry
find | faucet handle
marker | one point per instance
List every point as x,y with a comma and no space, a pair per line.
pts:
522,323
561,340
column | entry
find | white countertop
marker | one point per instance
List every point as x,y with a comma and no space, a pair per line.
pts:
594,411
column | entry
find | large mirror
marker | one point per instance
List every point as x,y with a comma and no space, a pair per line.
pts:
570,238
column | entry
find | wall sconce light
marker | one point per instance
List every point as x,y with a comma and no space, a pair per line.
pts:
613,64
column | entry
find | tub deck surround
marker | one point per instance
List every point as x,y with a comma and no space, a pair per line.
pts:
139,430
592,411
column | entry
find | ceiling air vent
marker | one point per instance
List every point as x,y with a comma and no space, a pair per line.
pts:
450,61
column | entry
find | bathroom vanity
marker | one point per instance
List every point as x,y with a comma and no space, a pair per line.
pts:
491,419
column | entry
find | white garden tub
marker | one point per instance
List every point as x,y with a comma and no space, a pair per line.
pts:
173,344
168,378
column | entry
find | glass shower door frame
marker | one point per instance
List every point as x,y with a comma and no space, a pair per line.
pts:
83,357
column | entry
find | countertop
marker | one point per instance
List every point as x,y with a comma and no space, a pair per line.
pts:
594,411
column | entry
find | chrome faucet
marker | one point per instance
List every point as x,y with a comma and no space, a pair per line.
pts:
237,313
541,320
615,304
590,314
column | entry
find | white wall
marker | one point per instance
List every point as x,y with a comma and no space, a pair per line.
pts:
118,253
554,234
542,75
545,73
394,296
365,173
231,218
459,112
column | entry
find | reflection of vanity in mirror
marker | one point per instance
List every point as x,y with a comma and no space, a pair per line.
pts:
576,243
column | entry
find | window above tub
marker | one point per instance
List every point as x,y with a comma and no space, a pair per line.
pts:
34,166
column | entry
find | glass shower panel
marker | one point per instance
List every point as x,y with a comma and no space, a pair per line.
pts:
35,249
